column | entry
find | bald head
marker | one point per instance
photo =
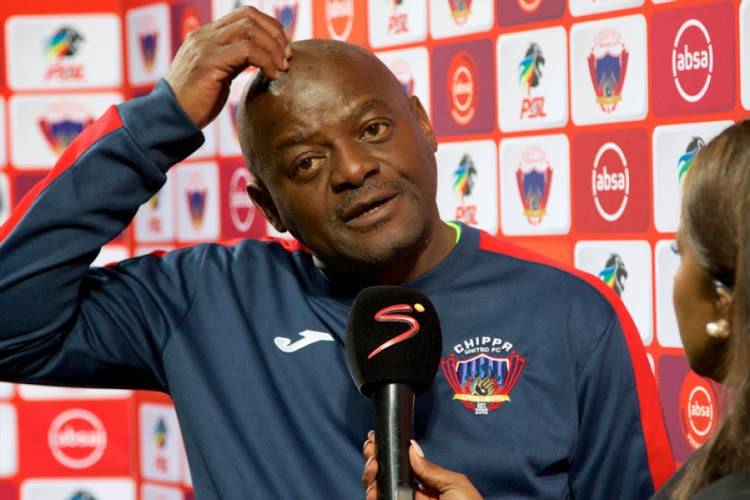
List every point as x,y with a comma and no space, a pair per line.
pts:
315,63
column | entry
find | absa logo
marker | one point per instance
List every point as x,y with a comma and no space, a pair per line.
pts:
610,181
77,438
699,410
692,60
241,208
339,15
462,88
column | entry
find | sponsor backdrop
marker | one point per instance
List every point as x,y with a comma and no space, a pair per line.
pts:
565,126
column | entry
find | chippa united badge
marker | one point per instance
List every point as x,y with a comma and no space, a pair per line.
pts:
482,382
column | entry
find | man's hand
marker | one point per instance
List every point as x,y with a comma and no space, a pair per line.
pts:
205,65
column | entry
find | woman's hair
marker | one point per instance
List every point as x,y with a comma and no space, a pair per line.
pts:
716,222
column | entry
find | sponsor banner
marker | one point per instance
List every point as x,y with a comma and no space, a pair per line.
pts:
185,16
84,488
344,20
147,250
81,437
9,441
674,148
208,148
239,217
625,266
692,405
187,478
4,197
160,441
3,148
80,51
463,88
412,69
23,183
693,60
535,185
467,183
111,254
294,15
157,492
745,53
7,390
148,43
42,126
666,262
586,7
452,18
396,22
608,75
33,392
532,76
8,491
197,201
611,191
220,8
155,219
226,122
515,12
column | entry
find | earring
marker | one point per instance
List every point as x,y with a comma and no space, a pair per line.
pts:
718,329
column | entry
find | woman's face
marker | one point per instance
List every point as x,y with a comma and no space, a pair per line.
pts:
696,304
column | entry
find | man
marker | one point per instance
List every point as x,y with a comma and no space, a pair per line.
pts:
248,339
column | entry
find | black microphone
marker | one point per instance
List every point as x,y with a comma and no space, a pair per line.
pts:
393,347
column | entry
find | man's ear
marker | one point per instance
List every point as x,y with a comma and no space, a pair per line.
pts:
423,120
262,200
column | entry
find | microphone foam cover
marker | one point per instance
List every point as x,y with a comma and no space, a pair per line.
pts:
392,336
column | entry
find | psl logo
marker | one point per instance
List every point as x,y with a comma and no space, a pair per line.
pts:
64,43
530,72
686,160
608,64
398,22
389,314
614,273
460,10
534,180
463,185
692,60
482,382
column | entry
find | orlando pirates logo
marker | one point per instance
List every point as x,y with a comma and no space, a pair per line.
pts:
482,383
614,273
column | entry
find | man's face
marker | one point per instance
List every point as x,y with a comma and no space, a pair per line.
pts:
348,162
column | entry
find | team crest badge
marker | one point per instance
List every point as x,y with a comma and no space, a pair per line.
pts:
482,383
534,179
608,63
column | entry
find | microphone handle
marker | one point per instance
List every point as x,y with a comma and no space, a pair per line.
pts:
394,428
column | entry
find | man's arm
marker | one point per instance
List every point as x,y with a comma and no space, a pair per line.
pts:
623,450
51,303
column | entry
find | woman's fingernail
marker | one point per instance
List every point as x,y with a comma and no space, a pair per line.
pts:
417,448
368,462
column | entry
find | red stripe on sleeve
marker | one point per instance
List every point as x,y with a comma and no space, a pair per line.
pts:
658,449
108,122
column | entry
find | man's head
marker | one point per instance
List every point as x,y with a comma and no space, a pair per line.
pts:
344,160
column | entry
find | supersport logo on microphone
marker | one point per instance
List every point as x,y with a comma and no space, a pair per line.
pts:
387,314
